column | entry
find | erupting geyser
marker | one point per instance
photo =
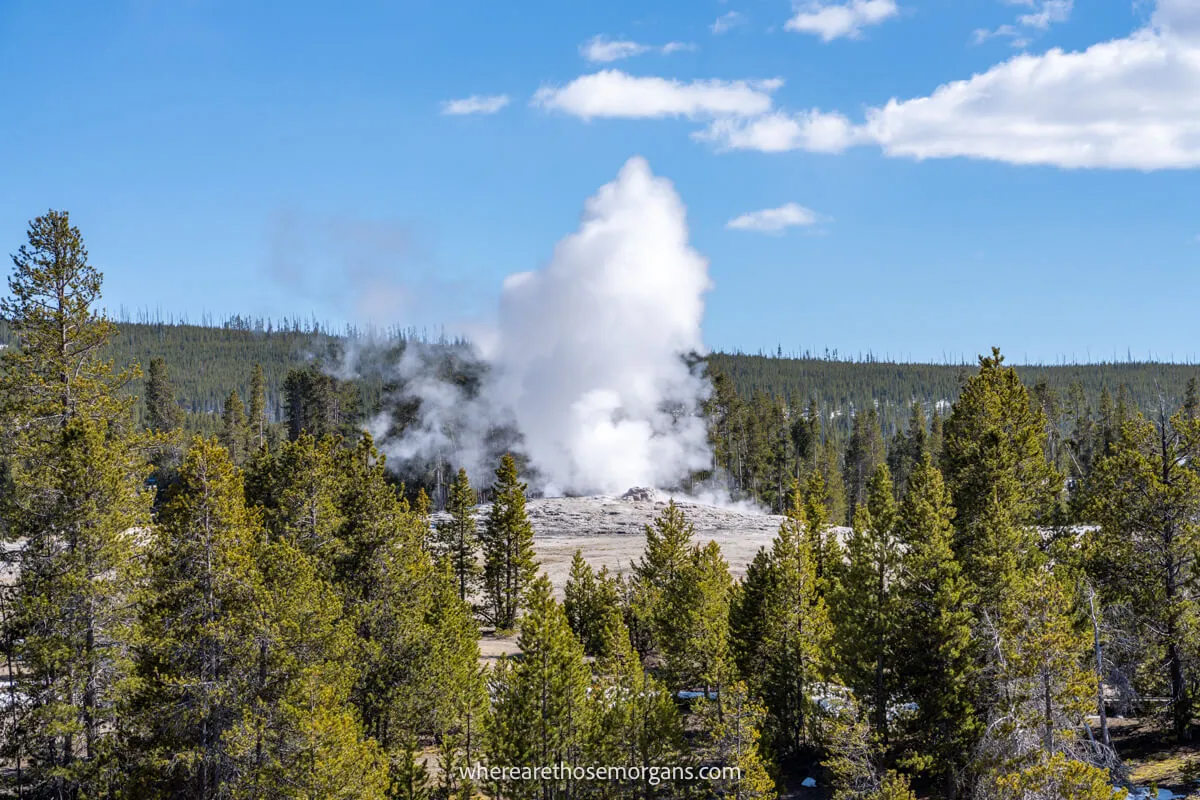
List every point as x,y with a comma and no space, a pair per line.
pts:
587,356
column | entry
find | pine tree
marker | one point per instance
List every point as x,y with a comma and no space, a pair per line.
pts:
937,669
693,626
300,496
70,627
452,675
233,428
373,520
578,597
1146,497
162,413
732,728
257,421
864,453
908,448
632,720
457,540
937,435
815,522
796,639
746,620
855,760
73,492
665,558
1059,777
55,373
1041,693
198,657
831,474
539,713
507,540
297,736
995,466
864,604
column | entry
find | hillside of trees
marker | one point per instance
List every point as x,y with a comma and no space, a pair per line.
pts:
266,613
208,361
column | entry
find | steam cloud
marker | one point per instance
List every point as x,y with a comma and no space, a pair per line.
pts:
587,358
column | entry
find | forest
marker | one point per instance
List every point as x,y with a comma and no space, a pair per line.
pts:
985,585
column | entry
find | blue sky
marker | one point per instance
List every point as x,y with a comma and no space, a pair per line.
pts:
300,158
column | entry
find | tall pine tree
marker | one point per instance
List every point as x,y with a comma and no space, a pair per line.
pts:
507,539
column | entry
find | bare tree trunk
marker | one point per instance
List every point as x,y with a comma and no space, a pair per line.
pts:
1100,709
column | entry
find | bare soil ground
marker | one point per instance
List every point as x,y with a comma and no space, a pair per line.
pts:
611,530
1154,758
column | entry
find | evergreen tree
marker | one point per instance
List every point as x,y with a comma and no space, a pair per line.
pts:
257,422
693,627
855,760
796,639
1081,440
732,727
864,604
79,514
233,428
1110,423
297,737
54,373
319,404
198,658
578,595
73,494
509,563
746,616
162,413
997,473
864,452
937,669
300,493
812,514
633,720
937,435
451,674
663,563
829,466
457,540
539,713
1041,693
1058,777
908,448
1146,496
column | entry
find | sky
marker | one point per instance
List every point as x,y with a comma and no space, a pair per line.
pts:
917,179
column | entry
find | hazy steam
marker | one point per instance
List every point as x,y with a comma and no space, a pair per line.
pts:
586,359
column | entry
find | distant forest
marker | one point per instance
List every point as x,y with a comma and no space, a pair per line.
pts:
207,362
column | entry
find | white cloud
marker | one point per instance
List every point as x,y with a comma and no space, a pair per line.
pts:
612,93
775,220
836,20
602,50
1048,13
476,104
726,22
1129,103
678,47
779,131
1041,15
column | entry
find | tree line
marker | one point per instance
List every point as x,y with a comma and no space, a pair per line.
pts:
268,614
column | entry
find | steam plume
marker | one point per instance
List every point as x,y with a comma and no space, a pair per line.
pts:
587,357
